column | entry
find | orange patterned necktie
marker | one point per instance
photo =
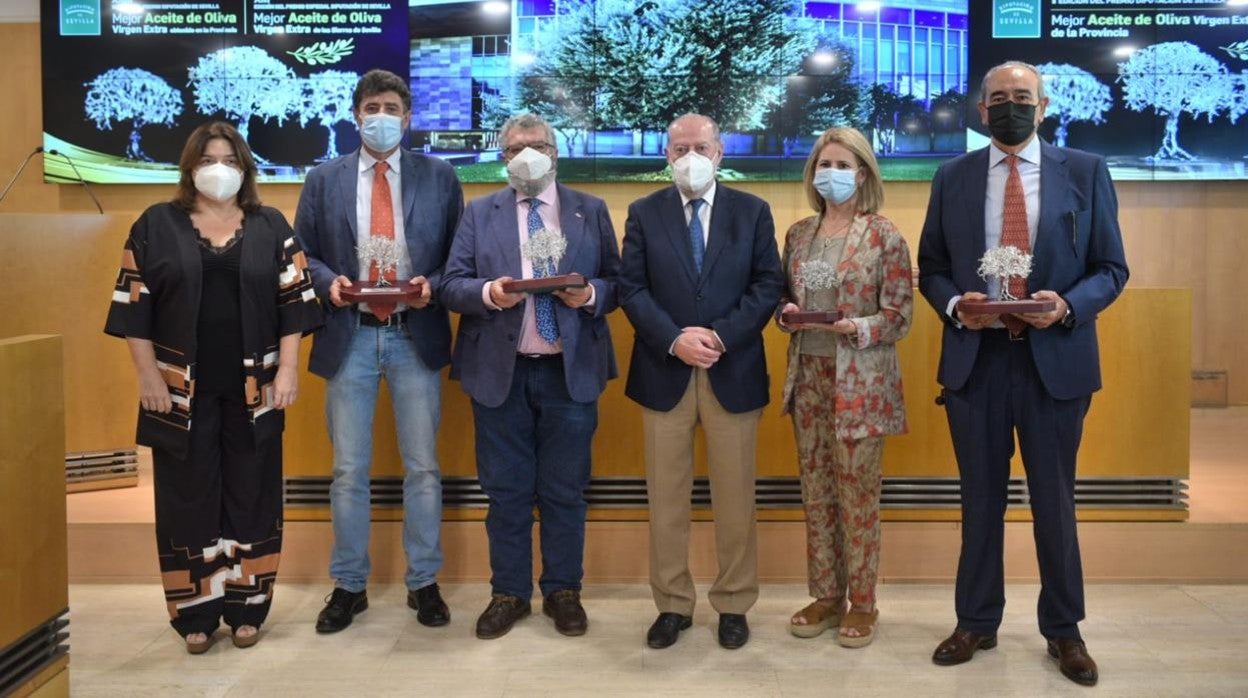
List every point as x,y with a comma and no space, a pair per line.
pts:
382,217
1014,234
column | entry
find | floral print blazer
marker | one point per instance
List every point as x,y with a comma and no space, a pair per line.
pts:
876,293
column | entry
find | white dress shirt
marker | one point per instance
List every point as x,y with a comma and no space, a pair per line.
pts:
704,213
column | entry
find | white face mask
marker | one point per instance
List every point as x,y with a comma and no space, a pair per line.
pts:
218,181
530,172
693,173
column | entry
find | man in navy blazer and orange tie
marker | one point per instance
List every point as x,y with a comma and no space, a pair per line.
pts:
384,191
1033,374
534,366
700,280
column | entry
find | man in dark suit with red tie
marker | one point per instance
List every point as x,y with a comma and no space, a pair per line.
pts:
1033,374
701,277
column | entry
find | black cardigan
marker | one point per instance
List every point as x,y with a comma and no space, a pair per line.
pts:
157,297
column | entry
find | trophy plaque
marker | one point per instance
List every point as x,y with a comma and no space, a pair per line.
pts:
1006,307
1005,263
545,284
397,292
798,317
385,253
544,249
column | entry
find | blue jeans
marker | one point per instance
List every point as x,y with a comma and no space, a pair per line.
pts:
534,449
350,400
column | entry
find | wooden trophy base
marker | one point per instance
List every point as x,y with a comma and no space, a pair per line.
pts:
1020,307
399,292
799,317
546,284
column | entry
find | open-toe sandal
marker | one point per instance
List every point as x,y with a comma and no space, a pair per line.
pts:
863,622
819,617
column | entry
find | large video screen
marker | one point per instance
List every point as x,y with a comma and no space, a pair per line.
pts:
1159,88
610,75
125,82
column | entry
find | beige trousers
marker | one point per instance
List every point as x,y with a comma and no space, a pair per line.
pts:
731,440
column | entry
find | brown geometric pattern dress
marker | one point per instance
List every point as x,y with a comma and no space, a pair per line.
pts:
217,457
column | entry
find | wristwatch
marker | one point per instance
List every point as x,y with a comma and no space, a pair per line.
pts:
1068,320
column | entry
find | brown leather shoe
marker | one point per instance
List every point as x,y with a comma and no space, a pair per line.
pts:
960,647
564,606
502,613
1073,659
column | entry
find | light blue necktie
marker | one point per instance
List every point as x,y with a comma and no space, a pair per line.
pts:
695,234
544,308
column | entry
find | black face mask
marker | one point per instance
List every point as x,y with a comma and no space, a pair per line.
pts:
1011,123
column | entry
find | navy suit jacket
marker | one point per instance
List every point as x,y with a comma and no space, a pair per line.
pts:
735,294
1078,253
487,246
326,225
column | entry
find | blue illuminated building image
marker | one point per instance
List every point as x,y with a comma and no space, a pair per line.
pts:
610,74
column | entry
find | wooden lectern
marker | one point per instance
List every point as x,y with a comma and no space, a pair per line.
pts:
34,587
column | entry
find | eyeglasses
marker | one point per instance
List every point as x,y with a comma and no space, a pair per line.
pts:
514,150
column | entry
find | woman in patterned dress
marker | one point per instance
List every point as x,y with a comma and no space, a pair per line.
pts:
212,298
843,384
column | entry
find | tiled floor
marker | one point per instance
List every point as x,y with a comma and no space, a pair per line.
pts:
1149,641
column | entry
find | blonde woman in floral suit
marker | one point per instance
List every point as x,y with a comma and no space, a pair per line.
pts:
843,385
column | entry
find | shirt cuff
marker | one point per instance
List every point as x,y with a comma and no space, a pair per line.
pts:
593,295
485,297
862,333
952,311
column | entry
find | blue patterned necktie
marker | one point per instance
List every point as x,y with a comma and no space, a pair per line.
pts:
695,234
544,308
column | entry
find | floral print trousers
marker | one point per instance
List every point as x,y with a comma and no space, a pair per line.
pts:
840,491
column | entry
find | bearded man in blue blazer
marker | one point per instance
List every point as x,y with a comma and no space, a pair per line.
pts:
384,191
700,281
1033,374
534,366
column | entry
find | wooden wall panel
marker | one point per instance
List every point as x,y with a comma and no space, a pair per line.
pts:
1138,425
1178,234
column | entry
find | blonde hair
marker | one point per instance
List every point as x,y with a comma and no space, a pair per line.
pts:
870,192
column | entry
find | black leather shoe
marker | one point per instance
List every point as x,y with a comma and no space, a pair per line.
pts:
734,632
1073,659
502,613
961,646
666,630
564,606
430,609
340,608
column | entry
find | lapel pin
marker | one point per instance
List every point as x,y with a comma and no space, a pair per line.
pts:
578,214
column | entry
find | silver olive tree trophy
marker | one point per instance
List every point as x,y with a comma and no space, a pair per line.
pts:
544,249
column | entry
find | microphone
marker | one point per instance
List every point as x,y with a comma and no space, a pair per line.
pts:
7,187
82,181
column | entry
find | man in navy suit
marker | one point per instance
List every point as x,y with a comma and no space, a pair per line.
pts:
534,366
381,191
1034,373
700,280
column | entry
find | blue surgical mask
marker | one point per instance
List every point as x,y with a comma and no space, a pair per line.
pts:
381,132
836,185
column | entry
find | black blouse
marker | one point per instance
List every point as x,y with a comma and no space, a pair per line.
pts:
220,365
158,294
